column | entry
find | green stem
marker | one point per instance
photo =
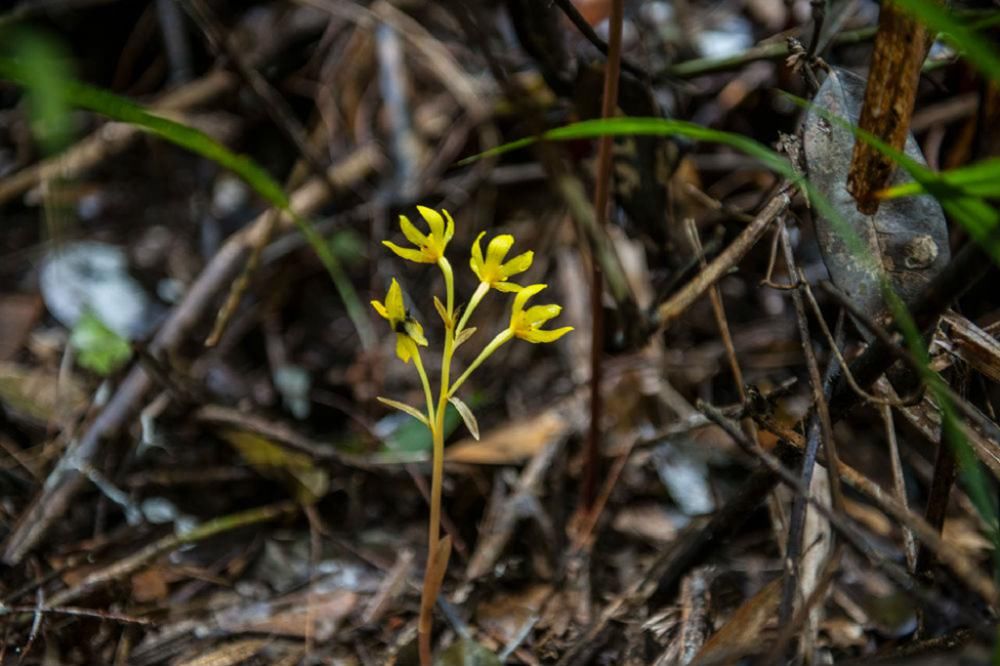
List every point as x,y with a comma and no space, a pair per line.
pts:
449,285
473,302
501,338
419,365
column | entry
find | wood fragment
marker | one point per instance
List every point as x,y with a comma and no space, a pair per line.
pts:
900,47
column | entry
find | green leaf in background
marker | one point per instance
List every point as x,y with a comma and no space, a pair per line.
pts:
98,348
975,48
974,214
467,652
46,66
20,71
981,179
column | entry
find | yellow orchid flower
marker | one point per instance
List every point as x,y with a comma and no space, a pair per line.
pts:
409,332
527,324
492,270
431,246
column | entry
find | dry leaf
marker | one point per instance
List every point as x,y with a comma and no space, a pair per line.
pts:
149,585
908,237
308,482
18,314
39,396
511,443
741,635
467,416
229,654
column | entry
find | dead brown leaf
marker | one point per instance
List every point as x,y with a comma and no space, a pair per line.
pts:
38,395
741,635
18,314
512,443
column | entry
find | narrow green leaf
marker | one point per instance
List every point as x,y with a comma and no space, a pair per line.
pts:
467,416
403,407
975,48
196,141
980,179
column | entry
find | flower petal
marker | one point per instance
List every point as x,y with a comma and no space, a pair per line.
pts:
415,256
415,331
498,249
547,336
404,347
540,314
476,261
450,229
412,234
518,264
526,293
509,287
379,308
434,220
394,302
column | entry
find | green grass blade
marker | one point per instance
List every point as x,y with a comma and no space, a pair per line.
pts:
976,214
46,67
980,219
981,179
975,48
196,141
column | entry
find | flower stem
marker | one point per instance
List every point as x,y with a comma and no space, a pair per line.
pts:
430,591
419,365
495,344
449,285
473,302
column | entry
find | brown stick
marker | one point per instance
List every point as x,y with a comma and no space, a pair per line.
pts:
677,304
900,48
602,194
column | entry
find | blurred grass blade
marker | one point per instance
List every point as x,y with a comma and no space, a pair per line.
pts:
981,179
46,66
196,141
981,220
974,214
977,216
975,48
626,126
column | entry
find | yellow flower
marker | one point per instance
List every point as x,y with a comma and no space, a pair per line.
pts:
409,332
430,247
526,324
493,271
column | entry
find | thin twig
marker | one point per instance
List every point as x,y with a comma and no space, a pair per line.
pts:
797,523
577,19
677,304
719,310
965,571
899,485
602,195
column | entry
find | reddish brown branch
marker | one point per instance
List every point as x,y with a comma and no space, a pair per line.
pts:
602,191
900,48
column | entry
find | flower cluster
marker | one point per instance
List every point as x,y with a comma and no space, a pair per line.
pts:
493,272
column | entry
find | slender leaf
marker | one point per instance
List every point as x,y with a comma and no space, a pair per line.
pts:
976,49
196,141
403,407
467,416
981,179
972,213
